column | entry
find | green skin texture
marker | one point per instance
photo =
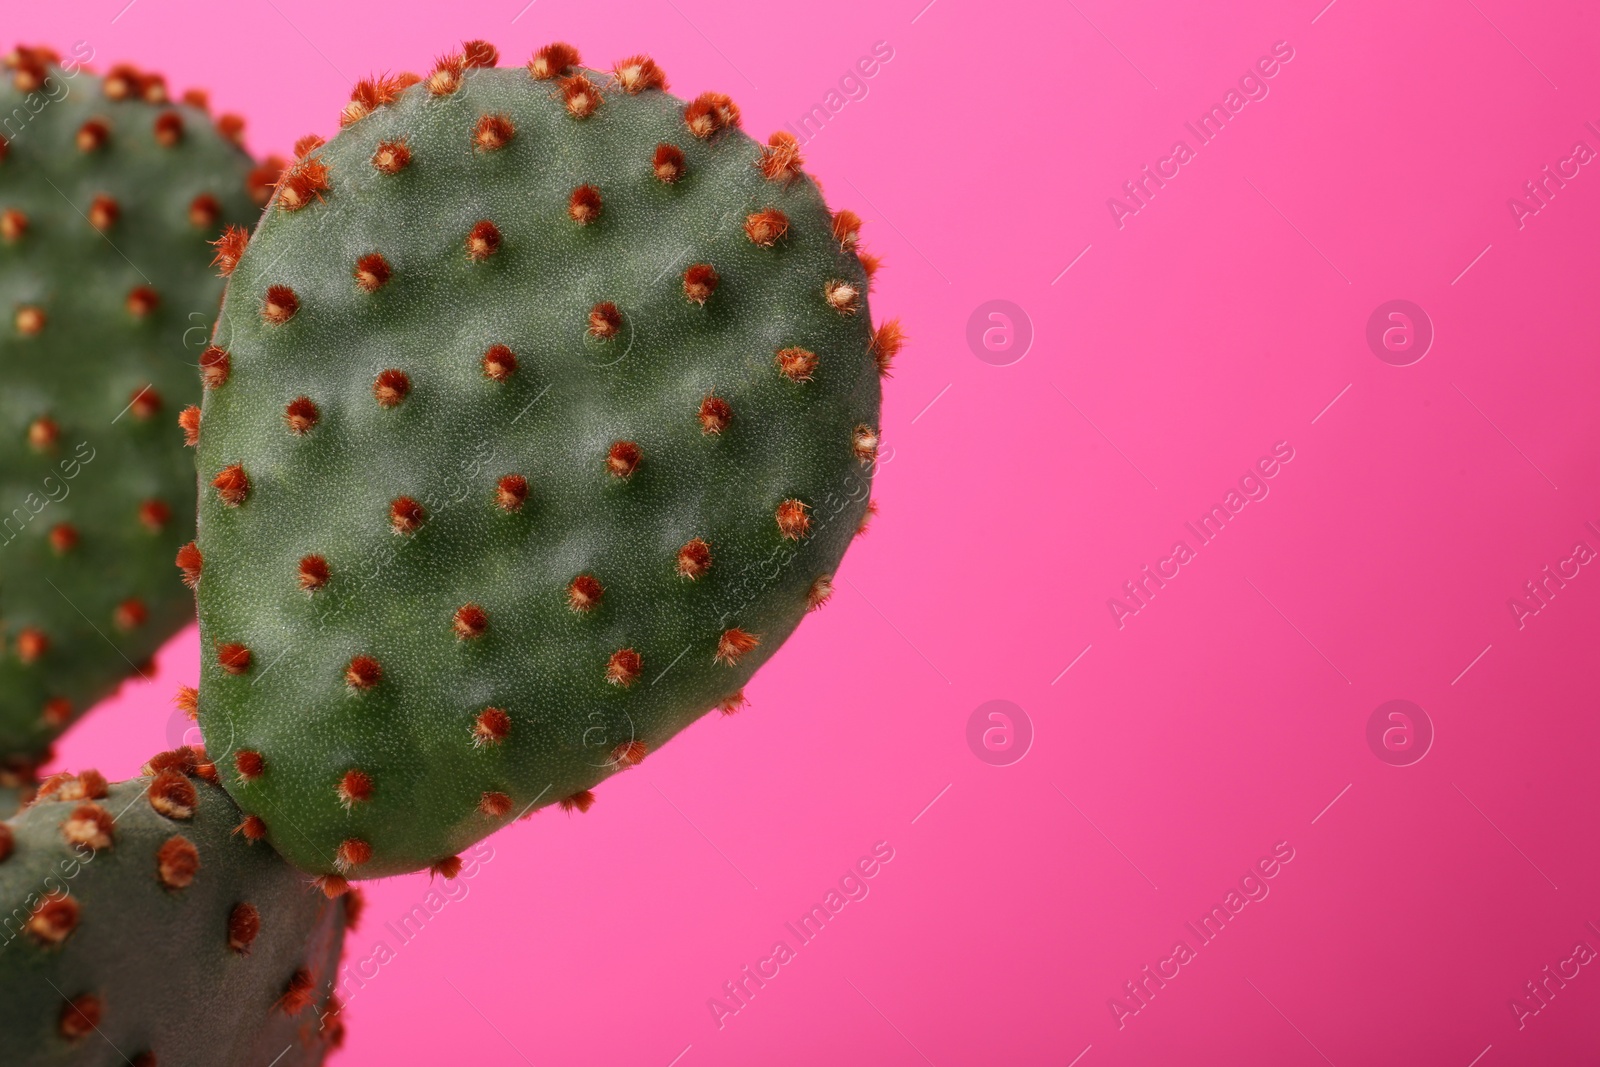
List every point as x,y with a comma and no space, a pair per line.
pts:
81,370
158,958
392,596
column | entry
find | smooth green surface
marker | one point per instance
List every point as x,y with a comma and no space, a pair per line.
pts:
158,958
82,370
392,597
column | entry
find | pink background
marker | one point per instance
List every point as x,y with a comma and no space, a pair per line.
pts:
1223,718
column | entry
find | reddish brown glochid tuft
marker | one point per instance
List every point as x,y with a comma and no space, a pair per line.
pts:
583,206
694,558
232,485
511,492
372,272
363,672
499,363
406,515
190,562
584,593
623,667
623,459
301,414
699,282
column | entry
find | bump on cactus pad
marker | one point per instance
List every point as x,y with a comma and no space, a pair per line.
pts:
140,928
552,408
109,193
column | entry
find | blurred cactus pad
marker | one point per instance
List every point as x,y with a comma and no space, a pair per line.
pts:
542,408
109,192
141,928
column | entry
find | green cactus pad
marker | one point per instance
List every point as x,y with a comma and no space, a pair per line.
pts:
107,202
140,928
552,408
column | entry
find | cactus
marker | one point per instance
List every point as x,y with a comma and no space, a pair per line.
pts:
544,408
109,193
141,927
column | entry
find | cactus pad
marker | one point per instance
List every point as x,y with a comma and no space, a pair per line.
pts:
140,928
109,193
551,406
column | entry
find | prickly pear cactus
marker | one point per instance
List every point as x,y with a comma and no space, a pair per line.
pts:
109,193
550,405
141,928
